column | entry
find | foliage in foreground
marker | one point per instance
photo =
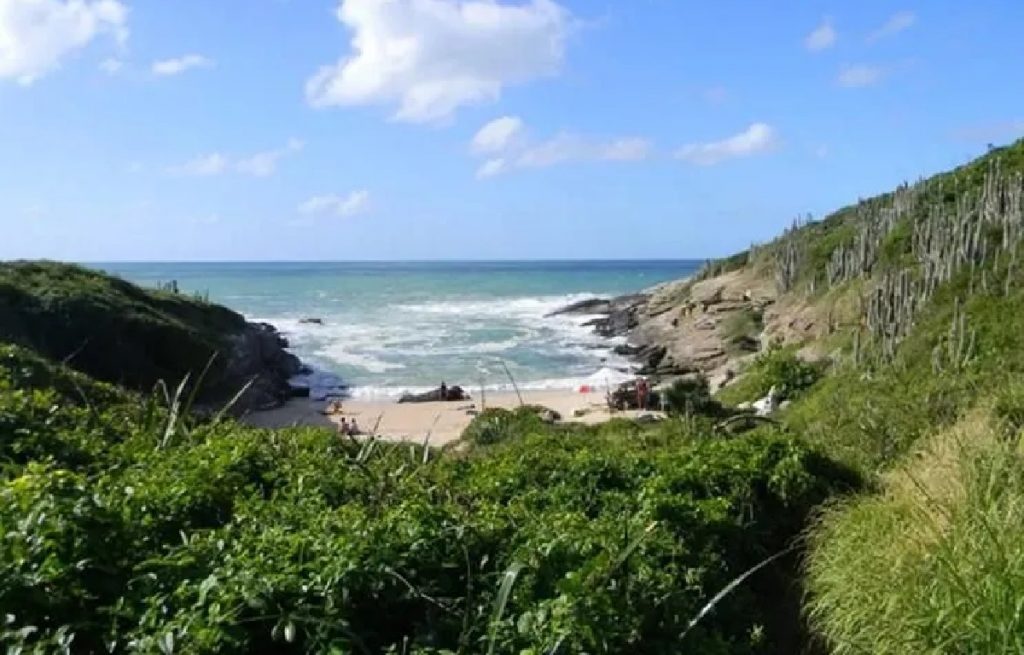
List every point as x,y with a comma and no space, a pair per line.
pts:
214,538
935,564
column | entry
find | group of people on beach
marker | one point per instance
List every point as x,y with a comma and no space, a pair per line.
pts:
349,428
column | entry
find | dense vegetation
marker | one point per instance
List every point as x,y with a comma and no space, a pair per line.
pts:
108,328
130,529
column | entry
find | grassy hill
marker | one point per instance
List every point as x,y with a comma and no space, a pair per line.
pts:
120,333
109,328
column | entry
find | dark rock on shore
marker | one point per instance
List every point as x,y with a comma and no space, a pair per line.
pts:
258,354
454,393
588,306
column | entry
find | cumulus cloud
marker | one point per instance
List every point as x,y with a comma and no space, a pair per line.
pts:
430,57
348,205
757,138
506,141
111,65
204,165
261,164
859,75
823,37
179,65
896,23
36,35
497,135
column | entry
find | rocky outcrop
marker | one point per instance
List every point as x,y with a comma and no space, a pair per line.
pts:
258,354
587,306
452,393
687,327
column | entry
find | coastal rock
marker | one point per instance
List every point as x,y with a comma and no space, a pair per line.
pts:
454,393
258,354
588,306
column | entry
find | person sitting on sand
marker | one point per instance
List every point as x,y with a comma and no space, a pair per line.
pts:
353,427
343,426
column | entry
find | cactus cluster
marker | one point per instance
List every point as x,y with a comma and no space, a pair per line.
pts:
876,218
980,230
960,343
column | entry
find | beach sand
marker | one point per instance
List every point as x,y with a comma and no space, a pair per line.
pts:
444,421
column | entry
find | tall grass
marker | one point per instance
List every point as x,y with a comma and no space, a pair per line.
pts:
934,564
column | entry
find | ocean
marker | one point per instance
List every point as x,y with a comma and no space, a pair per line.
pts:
392,327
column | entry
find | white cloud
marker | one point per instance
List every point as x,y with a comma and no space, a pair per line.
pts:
179,65
520,152
205,165
757,138
896,23
260,164
353,203
628,149
823,37
497,135
431,57
263,164
111,65
36,35
859,75
491,167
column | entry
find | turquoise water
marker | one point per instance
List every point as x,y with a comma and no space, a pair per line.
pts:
391,327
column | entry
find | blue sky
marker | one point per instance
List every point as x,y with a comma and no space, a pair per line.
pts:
445,129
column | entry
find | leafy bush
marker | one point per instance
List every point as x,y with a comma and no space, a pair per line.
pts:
689,396
495,425
776,367
226,539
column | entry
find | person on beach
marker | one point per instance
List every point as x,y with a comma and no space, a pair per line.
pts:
642,391
353,427
444,390
343,426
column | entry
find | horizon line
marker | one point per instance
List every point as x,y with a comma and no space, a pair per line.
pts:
392,261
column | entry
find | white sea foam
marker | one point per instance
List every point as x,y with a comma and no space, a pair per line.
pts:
456,338
601,380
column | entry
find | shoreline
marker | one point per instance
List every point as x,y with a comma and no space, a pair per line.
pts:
442,421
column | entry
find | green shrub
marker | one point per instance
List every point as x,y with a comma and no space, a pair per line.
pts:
62,561
935,564
776,367
495,425
690,396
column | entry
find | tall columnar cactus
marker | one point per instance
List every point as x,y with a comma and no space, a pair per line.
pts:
981,227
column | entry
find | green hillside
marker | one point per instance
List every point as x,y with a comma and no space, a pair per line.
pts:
120,333
109,328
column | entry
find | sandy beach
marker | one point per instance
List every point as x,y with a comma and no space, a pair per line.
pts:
444,421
